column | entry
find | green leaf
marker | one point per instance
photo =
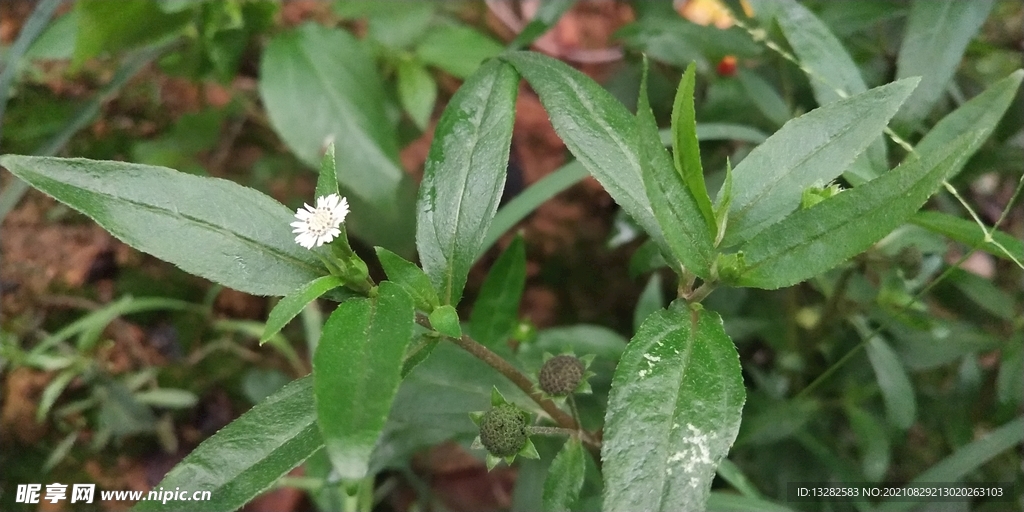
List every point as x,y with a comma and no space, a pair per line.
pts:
1010,382
565,477
966,460
813,240
167,398
679,383
765,98
596,128
936,36
727,502
417,352
244,235
820,52
292,304
417,91
546,16
23,46
319,84
685,148
776,420
968,233
52,391
646,258
410,277
246,457
445,320
983,292
810,150
83,117
876,454
464,176
356,370
496,310
897,390
733,475
457,49
120,414
720,131
832,73
528,200
722,204
114,26
393,24
327,180
686,232
651,300
981,114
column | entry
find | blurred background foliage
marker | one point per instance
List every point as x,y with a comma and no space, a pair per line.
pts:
114,365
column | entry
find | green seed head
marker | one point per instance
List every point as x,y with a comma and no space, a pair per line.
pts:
503,430
560,375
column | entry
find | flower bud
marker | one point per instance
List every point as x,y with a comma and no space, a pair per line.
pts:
560,375
503,430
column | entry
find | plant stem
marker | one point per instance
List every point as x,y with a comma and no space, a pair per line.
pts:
575,412
513,374
551,431
701,292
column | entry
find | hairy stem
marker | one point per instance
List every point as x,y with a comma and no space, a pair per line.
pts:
518,378
550,431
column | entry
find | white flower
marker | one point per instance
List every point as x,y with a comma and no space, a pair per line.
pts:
318,226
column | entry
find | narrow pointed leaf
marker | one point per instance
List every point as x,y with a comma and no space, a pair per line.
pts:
356,369
565,477
409,276
685,148
765,97
969,233
687,235
595,127
528,200
965,460
832,73
897,390
982,113
245,458
496,310
292,304
417,91
464,176
651,300
815,239
936,36
875,450
679,383
722,204
548,13
810,150
246,240
327,181
819,51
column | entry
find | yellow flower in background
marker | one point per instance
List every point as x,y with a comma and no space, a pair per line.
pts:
709,12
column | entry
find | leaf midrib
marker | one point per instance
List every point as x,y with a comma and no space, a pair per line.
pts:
463,185
879,205
177,214
774,181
